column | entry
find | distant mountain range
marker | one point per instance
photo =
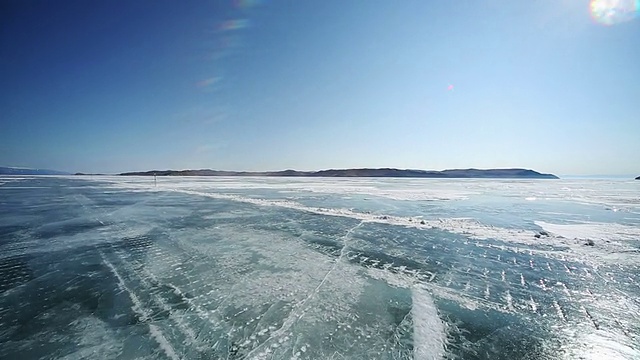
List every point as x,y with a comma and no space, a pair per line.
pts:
27,171
365,172
385,172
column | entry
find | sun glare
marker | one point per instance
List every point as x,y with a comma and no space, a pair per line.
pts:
611,12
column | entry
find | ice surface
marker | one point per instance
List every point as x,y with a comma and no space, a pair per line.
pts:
272,268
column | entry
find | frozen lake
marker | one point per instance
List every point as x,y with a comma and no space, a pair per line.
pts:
309,268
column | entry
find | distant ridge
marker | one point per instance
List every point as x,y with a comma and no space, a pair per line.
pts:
638,178
27,171
384,172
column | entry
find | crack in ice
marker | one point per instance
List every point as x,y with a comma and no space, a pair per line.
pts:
298,311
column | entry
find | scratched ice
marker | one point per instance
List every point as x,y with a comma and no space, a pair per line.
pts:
272,268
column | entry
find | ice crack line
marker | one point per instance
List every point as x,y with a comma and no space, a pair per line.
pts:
137,307
297,311
345,238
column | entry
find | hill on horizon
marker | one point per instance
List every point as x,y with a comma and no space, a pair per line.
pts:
364,172
7,170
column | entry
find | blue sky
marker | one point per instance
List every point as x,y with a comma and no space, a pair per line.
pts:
111,86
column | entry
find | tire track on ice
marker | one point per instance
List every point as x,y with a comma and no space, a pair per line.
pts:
137,307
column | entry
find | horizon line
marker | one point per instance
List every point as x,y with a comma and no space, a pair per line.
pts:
560,174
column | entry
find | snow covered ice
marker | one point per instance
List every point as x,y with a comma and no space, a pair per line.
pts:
308,268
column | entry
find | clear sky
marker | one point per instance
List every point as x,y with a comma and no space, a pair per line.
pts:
111,86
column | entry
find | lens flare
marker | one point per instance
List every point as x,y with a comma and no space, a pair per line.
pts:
611,12
246,4
236,24
206,83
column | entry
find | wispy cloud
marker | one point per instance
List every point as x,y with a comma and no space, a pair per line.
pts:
210,148
208,83
203,115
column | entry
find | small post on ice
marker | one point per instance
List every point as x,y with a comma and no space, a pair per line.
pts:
155,182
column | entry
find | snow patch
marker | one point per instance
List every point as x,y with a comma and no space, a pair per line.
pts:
592,230
429,335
